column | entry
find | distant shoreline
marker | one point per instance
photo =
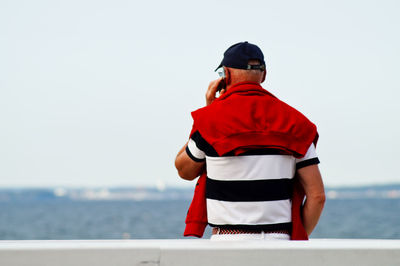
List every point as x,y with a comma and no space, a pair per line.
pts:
388,191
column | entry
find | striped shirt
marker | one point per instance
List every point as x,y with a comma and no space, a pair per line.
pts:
249,191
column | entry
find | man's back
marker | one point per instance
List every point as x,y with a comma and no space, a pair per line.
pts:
252,190
249,187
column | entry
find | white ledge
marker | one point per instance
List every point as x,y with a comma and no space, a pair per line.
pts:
193,252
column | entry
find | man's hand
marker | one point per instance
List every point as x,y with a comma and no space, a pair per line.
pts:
212,91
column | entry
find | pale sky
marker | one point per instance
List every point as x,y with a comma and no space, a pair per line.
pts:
99,93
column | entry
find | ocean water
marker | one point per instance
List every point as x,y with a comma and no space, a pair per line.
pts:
347,218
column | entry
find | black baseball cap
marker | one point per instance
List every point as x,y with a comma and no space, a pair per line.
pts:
238,56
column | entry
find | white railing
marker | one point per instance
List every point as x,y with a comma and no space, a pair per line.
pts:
199,252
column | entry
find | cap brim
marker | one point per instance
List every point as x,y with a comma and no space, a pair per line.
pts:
220,65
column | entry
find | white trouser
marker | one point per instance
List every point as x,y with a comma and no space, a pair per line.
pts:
260,236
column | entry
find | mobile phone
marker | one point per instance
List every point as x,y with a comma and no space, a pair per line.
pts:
222,83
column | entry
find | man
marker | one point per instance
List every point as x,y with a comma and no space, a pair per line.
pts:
252,145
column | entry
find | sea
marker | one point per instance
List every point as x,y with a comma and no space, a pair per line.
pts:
352,218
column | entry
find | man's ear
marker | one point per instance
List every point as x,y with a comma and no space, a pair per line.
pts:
264,75
227,76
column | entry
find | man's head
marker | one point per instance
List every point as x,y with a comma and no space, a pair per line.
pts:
244,62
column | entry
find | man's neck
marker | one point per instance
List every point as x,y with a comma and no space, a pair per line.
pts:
237,83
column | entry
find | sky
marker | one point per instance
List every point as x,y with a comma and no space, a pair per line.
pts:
99,93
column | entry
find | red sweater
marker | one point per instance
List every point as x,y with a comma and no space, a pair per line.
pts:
248,117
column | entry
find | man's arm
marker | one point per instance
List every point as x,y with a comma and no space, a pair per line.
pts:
311,179
188,169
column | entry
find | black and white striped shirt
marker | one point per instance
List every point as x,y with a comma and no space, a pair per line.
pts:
249,191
